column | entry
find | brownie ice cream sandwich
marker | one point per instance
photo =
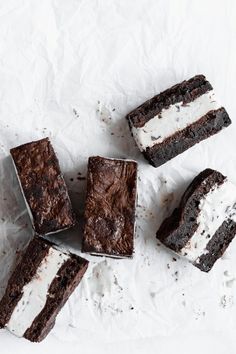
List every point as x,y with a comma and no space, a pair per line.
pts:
176,119
110,207
204,224
41,283
43,187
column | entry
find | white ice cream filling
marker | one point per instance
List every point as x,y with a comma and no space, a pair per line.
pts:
35,293
217,206
175,118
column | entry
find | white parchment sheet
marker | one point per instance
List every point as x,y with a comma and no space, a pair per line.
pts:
72,70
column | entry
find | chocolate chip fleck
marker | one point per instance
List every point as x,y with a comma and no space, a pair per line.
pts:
75,113
153,138
178,108
80,178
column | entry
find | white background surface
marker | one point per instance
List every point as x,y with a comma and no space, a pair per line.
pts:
58,60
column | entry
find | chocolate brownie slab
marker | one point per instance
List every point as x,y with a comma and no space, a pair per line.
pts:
204,224
176,119
38,288
110,207
43,186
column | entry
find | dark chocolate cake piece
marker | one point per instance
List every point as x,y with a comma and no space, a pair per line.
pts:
176,119
204,224
38,288
110,207
43,187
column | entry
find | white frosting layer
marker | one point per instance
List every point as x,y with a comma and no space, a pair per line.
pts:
110,255
216,207
117,159
175,118
35,293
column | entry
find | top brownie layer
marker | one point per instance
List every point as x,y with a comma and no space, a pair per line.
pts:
185,92
110,207
43,186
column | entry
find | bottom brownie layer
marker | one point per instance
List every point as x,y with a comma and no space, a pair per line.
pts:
217,246
208,125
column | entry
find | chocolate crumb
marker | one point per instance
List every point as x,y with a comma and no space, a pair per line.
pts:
153,138
178,108
75,113
80,178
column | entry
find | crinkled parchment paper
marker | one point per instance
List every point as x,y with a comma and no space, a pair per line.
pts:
72,70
